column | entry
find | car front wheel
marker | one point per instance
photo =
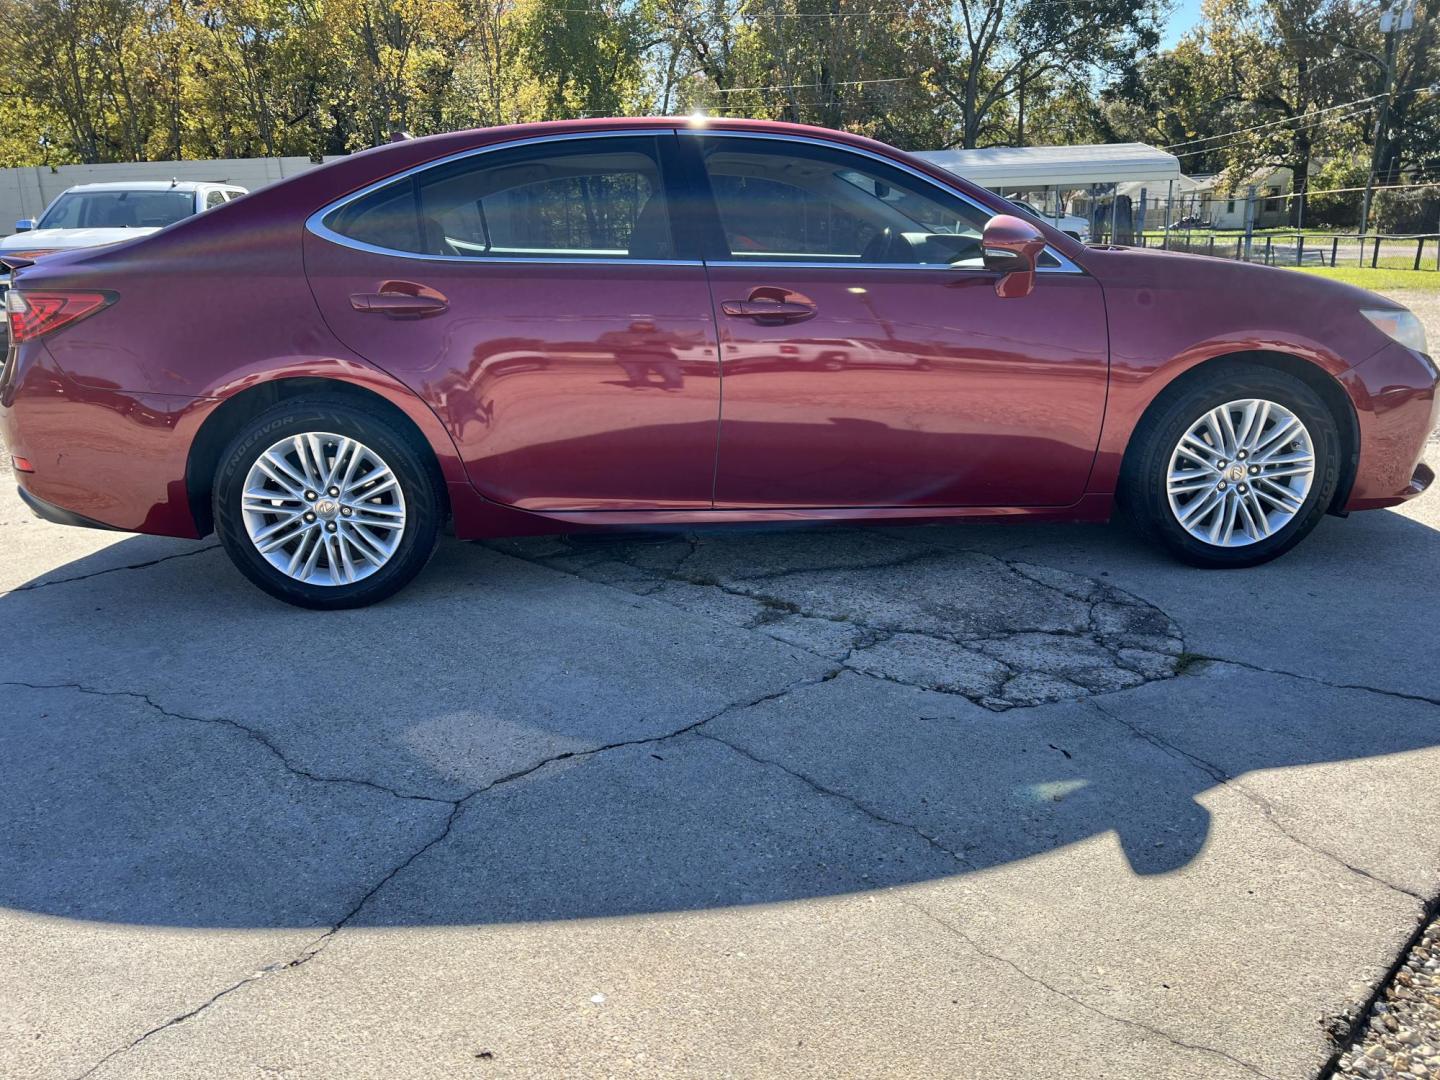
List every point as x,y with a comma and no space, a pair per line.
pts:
1236,469
325,505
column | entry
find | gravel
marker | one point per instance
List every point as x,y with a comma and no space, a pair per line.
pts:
1401,1037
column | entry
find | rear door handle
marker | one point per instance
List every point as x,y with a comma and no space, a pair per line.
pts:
767,311
401,299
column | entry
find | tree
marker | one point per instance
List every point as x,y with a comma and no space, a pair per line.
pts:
983,53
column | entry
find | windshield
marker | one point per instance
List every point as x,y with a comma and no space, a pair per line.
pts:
118,209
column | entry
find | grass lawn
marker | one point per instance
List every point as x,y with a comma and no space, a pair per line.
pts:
1381,280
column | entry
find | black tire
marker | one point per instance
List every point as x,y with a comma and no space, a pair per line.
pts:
1143,494
411,464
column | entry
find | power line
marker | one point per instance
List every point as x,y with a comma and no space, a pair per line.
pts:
1274,123
1307,120
1313,123
810,86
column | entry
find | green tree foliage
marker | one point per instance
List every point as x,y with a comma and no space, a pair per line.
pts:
125,80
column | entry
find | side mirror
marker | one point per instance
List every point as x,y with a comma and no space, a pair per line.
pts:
25,224
1012,246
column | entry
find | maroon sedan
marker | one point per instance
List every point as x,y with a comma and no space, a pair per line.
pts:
626,322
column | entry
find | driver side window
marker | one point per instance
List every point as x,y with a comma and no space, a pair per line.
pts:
789,201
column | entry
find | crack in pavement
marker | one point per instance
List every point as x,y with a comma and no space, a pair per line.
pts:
1401,694
1265,806
1100,639
30,587
1138,1025
220,721
832,793
935,843
457,808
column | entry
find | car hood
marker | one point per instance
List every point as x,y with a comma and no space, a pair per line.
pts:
69,239
1163,303
1138,267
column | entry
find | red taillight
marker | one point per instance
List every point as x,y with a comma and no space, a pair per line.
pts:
34,314
35,254
20,464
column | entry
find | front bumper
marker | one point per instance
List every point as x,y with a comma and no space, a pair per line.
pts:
1397,404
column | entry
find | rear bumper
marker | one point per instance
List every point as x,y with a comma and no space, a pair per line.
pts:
48,511
101,457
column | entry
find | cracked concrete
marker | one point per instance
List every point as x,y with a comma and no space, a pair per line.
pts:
997,631
1010,801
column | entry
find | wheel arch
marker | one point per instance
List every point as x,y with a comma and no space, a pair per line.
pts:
1329,389
226,420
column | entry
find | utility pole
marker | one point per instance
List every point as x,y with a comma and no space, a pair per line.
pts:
1396,19
1249,220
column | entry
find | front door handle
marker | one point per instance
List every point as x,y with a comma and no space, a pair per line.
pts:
401,299
764,310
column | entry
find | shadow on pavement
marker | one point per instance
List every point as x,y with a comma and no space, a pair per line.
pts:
514,739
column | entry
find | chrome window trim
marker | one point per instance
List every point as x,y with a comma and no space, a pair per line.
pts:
315,223
1066,265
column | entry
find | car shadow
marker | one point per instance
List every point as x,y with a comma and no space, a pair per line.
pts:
528,743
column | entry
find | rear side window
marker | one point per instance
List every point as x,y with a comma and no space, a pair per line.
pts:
573,199
214,199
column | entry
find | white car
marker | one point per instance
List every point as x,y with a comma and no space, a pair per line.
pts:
1078,227
91,215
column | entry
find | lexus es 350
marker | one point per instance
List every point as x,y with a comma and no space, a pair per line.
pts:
637,322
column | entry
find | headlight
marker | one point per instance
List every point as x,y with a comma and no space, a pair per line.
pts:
1399,324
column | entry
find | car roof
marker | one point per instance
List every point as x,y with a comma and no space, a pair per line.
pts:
151,185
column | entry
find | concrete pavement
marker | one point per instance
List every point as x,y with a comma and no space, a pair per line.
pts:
1009,800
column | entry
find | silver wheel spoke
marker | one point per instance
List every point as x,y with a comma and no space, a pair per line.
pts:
1268,472
1257,512
1298,458
1188,487
366,548
1252,528
1196,511
1217,432
1293,470
1197,450
373,483
1280,436
323,540
338,461
277,469
271,502
1258,420
1279,496
1227,430
308,469
272,536
1232,507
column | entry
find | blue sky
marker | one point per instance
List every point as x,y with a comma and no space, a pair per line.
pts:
1185,15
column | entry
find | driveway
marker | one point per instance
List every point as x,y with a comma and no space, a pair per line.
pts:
990,801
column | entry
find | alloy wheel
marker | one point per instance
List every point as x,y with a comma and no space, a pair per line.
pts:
323,509
1240,473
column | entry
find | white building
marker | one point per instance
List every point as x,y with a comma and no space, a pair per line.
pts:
1080,180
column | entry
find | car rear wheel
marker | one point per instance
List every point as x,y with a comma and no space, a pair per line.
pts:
325,505
1236,469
